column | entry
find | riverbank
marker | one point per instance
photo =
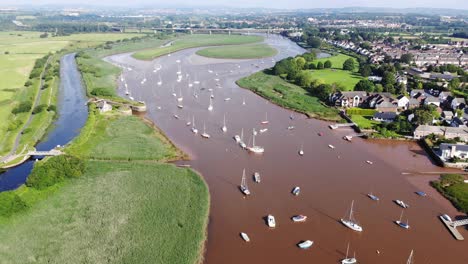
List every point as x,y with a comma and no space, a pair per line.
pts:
252,51
128,206
288,95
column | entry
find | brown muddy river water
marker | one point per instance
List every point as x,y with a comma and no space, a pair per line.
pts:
329,178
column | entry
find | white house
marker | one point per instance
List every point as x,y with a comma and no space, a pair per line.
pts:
453,150
403,102
457,102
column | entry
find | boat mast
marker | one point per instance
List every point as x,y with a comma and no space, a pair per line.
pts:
193,121
410,259
351,211
224,120
347,250
242,134
243,182
253,140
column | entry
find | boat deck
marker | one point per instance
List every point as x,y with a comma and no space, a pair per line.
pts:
452,229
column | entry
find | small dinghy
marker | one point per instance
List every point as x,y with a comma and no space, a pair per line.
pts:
245,237
257,177
306,244
299,218
271,221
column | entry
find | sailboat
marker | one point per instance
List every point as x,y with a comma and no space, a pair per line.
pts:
257,178
179,71
194,129
210,107
410,259
212,95
173,92
401,223
180,98
266,119
241,142
301,151
188,121
245,237
255,149
243,187
350,222
349,260
189,83
224,128
243,101
196,81
306,244
372,196
204,134
160,81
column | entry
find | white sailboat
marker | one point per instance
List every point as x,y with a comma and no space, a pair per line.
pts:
159,83
224,128
204,134
210,107
402,224
196,81
296,191
349,260
402,204
350,222
194,129
301,150
211,95
173,92
243,101
410,259
255,149
179,70
188,121
299,218
243,187
306,244
266,119
241,142
180,98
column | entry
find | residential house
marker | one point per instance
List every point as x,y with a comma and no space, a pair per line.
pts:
447,132
414,103
385,116
348,99
403,102
447,115
103,106
458,103
443,96
448,151
432,100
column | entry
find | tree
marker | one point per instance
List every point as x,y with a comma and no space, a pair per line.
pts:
314,42
348,65
323,91
365,70
387,58
300,62
422,117
304,79
320,65
388,78
309,56
327,64
454,83
364,85
378,88
406,58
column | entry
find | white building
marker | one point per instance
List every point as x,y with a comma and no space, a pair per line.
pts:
449,151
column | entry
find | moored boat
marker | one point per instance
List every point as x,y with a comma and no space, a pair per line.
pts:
257,177
243,187
296,190
348,260
305,244
331,146
350,222
245,237
401,203
271,221
299,218
373,197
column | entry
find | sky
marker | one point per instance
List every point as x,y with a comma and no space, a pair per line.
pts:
289,4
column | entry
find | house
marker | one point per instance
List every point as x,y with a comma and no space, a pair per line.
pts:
402,79
448,151
384,116
448,115
414,103
403,102
348,99
447,132
432,100
443,96
374,78
458,103
416,93
103,106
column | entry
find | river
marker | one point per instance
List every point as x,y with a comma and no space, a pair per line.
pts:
329,178
73,113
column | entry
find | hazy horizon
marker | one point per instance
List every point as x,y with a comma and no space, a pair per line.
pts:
280,4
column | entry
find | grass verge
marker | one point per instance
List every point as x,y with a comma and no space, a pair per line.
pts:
288,95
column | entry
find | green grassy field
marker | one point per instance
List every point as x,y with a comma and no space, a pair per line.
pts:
288,95
454,189
338,60
345,78
192,41
119,211
364,122
111,137
18,52
115,213
239,52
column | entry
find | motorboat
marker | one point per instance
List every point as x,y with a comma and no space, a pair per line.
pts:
263,130
401,203
373,197
176,116
350,222
180,106
306,244
299,218
420,193
331,146
227,99
296,191
369,162
257,177
271,221
237,138
245,237
290,127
